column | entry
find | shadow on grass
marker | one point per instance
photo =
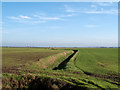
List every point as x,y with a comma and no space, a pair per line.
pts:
63,64
53,84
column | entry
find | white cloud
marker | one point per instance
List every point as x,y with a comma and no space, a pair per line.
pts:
102,11
69,12
25,17
94,7
16,18
67,15
93,10
70,9
38,21
105,3
50,18
47,18
19,17
34,18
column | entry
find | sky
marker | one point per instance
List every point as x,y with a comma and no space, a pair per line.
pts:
60,24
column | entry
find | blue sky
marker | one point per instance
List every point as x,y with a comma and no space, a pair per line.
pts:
60,24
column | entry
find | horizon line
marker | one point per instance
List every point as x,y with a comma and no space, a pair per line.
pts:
61,46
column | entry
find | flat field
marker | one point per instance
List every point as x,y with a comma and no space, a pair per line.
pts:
15,57
60,68
98,60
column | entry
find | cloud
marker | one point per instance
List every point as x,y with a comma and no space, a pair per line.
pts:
95,9
102,11
19,17
70,9
50,18
34,19
25,17
16,18
69,12
94,12
104,3
69,15
47,18
91,26
38,21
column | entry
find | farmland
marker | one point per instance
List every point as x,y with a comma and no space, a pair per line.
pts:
15,57
60,68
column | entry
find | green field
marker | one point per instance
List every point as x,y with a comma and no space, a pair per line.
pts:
99,61
14,57
60,68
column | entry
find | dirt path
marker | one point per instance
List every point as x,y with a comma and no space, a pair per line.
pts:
63,64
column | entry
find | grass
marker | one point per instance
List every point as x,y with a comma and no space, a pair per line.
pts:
85,69
20,56
98,60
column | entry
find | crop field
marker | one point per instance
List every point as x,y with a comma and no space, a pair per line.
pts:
60,68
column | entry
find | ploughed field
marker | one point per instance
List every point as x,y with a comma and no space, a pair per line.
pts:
60,68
